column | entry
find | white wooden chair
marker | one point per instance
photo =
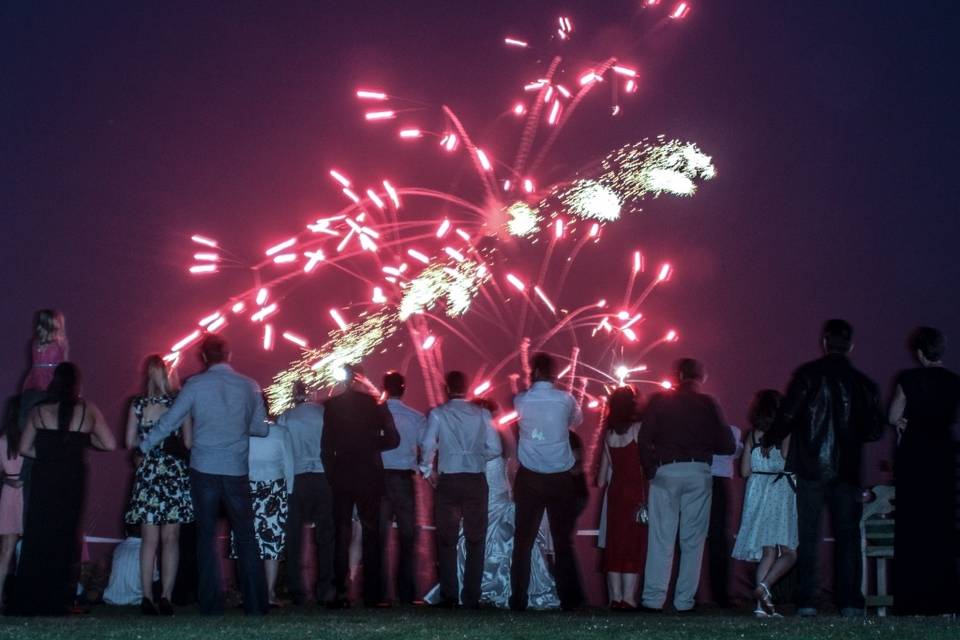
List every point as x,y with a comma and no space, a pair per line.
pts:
876,535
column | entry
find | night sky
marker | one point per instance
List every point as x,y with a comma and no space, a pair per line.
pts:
126,128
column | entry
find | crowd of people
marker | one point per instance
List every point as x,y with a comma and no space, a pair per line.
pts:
663,463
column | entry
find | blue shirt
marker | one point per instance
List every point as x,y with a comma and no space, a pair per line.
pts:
464,435
227,409
412,425
546,415
305,424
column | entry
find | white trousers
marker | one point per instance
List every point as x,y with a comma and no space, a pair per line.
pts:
680,495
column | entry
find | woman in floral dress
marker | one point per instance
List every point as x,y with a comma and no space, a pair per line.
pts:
271,483
161,488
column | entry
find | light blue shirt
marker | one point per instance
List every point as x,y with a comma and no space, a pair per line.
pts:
722,466
546,415
412,426
271,458
464,435
305,424
227,409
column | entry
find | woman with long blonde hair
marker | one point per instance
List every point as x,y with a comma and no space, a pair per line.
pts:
48,348
160,500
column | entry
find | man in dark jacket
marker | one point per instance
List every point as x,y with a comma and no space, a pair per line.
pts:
356,430
830,409
682,431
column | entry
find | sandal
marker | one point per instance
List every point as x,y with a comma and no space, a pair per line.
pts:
764,599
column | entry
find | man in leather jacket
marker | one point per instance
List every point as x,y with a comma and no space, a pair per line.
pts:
830,410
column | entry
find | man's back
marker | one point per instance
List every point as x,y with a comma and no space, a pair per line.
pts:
411,425
227,409
830,409
685,425
356,429
465,435
546,415
305,424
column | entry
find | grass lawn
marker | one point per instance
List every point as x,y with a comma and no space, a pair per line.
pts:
112,622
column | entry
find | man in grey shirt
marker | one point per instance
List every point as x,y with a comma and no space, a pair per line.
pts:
464,435
226,408
399,500
312,500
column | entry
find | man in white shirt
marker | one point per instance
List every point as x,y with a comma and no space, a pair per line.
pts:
544,482
466,439
718,535
399,501
311,501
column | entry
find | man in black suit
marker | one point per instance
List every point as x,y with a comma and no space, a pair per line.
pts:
356,430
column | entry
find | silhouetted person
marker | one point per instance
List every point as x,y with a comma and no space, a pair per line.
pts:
464,435
546,482
924,409
356,429
312,500
682,431
399,503
830,409
226,408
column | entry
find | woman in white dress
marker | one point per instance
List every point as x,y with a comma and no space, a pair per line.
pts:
768,527
495,585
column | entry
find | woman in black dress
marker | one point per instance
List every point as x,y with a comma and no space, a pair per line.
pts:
924,409
58,432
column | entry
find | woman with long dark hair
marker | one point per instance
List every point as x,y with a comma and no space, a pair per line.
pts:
924,410
58,432
11,494
622,473
768,527
160,501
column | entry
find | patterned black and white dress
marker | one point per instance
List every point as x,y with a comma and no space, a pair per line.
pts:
271,482
161,486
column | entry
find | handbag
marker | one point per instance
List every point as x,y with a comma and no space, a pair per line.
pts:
642,516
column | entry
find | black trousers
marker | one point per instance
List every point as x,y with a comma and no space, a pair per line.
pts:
347,493
461,495
233,492
843,502
311,502
399,503
554,493
718,542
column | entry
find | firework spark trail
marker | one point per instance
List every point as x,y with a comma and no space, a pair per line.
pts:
568,113
476,155
533,120
574,356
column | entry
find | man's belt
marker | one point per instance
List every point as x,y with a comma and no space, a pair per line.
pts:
691,459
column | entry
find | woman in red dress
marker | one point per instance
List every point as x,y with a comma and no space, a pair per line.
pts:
622,474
